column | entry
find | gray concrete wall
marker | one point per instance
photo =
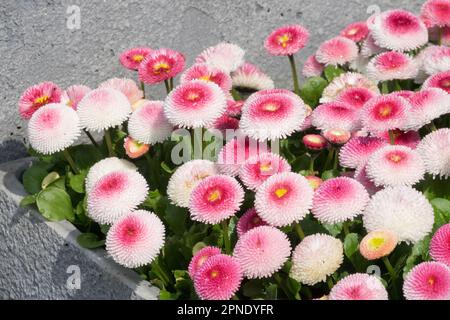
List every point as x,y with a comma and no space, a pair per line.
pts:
36,45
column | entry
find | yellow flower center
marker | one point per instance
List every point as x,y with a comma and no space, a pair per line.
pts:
281,192
206,77
138,58
192,96
161,67
214,195
283,40
271,107
214,274
41,100
385,110
431,281
395,158
265,167
376,242
352,32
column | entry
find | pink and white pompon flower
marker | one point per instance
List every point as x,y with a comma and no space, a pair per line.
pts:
262,251
440,80
386,112
272,114
361,176
377,244
427,281
226,124
369,48
160,65
337,51
355,97
344,82
440,245
135,239
234,108
437,12
202,71
436,59
135,149
250,77
115,194
409,139
339,199
224,56
312,67
359,286
358,149
334,115
53,128
394,165
132,58
74,94
249,220
195,104
398,30
259,168
127,86
219,278
314,142
215,199
283,199
392,65
287,40
148,124
435,152
357,31
199,259
37,96
102,109
337,136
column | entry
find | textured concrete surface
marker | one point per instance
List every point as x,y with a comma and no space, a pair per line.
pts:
36,45
35,255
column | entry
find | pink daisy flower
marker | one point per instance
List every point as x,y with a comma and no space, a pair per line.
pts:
377,244
312,67
132,58
259,168
224,56
135,239
195,104
250,77
337,136
207,73
436,59
215,199
314,141
339,199
37,96
384,113
73,95
199,259
226,123
355,97
127,86
283,199
135,149
234,108
440,80
359,286
394,165
435,152
361,176
437,12
392,65
336,115
398,30
406,94
53,128
262,251
428,281
356,31
116,194
160,65
314,182
402,138
369,48
337,51
219,278
440,245
249,220
344,82
358,149
286,40
148,124
269,114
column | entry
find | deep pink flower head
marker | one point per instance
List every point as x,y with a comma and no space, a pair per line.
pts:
215,199
312,67
207,73
356,31
337,51
428,281
337,136
440,245
219,278
259,168
440,80
392,65
73,95
287,40
135,239
435,59
361,176
234,108
339,199
37,96
314,141
132,58
224,123
199,259
358,149
262,251
437,12
359,286
336,115
249,220
403,138
160,65
355,97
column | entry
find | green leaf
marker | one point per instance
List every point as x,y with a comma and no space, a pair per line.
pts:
271,292
90,241
28,200
76,181
253,288
332,72
351,244
104,228
55,204
85,155
435,188
294,287
49,179
34,175
166,168
418,253
441,211
165,295
198,246
329,174
312,89
176,219
333,229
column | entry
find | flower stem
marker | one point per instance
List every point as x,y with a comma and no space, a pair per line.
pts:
282,286
389,267
294,75
109,142
440,36
384,87
167,84
329,157
226,237
91,138
143,88
391,137
299,230
345,227
336,160
171,84
70,161
311,163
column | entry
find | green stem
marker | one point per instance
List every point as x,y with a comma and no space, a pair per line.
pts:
171,84
226,237
91,138
345,227
389,267
70,161
299,230
330,283
109,142
235,94
282,286
143,88
440,36
384,87
329,157
336,160
294,75
161,273
311,163
391,137
167,84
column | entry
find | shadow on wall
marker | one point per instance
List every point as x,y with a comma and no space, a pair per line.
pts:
12,149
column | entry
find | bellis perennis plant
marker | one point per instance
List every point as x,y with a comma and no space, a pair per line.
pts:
231,187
